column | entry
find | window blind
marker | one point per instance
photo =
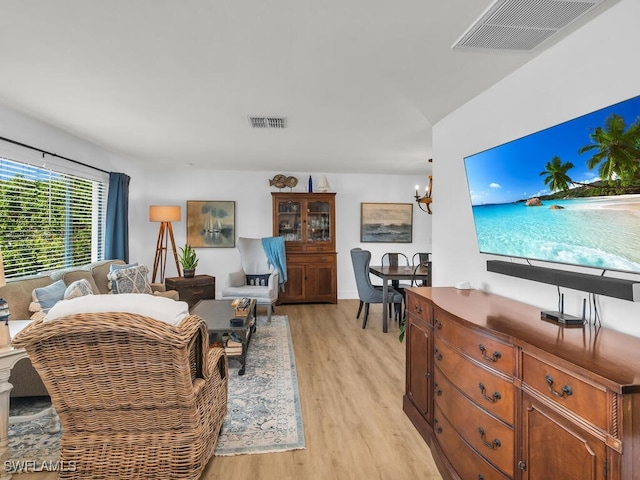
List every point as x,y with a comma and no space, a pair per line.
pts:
48,219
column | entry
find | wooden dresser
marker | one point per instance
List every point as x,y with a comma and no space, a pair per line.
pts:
500,394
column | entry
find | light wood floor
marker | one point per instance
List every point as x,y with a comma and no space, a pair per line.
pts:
351,383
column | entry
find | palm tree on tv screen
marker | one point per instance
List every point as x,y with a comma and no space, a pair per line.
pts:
556,174
617,150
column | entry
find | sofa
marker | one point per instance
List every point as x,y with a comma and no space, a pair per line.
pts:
18,295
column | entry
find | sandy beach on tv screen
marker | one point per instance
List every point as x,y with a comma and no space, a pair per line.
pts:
617,202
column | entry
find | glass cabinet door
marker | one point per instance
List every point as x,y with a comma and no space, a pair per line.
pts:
318,222
289,224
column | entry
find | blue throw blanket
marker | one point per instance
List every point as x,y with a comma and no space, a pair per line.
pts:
274,248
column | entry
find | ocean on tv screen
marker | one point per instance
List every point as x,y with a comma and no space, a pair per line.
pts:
567,194
601,232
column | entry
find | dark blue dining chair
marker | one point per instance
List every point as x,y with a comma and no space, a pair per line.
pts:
367,292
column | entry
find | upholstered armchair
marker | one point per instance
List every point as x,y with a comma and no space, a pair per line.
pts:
137,397
256,279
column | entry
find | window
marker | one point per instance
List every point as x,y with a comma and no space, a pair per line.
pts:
48,219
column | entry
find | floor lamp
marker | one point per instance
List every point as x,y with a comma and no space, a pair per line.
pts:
165,214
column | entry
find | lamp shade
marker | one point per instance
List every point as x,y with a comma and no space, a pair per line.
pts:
164,213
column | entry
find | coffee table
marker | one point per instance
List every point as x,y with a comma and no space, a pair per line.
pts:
218,314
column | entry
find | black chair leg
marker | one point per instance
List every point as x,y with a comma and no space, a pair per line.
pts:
366,315
359,309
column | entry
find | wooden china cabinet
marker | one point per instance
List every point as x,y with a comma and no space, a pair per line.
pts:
500,394
307,223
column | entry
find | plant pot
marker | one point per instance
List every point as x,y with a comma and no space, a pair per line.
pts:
189,273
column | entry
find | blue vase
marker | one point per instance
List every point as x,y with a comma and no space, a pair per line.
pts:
310,184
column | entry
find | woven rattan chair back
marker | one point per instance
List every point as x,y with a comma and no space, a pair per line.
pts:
137,398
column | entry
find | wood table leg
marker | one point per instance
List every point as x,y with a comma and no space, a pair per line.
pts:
385,305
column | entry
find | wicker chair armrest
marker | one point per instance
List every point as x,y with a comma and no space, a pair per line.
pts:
217,360
215,385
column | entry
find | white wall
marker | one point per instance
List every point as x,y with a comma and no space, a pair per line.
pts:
590,69
22,128
250,191
252,194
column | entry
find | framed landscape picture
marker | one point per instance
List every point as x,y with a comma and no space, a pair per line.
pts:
211,223
386,222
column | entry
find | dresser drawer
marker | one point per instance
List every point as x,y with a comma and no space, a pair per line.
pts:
314,258
484,349
418,307
467,463
490,437
493,393
197,293
585,399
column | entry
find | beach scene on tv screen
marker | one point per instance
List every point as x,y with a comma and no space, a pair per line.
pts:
568,194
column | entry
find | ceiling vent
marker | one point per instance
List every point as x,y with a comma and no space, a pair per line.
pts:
268,122
522,25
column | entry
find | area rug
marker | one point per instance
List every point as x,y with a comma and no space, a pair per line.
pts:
33,448
263,410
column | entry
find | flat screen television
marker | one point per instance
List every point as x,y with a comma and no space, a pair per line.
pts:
568,194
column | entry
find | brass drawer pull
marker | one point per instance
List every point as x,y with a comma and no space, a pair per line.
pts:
494,398
496,355
438,428
439,325
438,354
493,445
437,391
564,392
417,308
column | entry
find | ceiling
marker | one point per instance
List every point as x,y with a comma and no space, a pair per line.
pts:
170,82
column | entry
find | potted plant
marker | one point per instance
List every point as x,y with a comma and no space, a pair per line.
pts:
188,260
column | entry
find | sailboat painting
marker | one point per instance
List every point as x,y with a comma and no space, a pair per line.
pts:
211,223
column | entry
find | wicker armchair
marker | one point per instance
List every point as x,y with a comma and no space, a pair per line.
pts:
137,397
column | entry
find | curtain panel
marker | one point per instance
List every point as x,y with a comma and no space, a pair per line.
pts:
117,220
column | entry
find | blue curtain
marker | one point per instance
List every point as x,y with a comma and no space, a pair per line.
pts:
116,243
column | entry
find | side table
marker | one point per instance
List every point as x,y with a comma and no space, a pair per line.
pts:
192,290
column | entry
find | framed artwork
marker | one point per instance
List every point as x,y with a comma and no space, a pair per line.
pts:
386,222
211,223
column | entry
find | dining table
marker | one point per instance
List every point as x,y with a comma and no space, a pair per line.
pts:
389,273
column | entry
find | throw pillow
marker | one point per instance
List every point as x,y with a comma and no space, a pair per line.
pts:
47,297
113,288
258,280
131,280
160,308
79,288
